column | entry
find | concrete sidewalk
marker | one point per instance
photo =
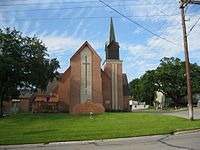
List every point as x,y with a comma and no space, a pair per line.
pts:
182,140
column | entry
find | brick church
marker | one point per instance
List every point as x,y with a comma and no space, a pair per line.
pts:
85,87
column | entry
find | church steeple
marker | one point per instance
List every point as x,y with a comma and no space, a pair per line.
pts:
112,32
111,46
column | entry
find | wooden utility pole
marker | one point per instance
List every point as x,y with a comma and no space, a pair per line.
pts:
187,64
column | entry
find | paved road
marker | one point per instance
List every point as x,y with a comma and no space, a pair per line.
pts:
184,114
184,141
178,113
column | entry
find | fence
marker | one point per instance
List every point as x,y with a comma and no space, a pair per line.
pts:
45,106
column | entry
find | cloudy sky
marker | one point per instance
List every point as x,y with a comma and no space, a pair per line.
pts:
64,25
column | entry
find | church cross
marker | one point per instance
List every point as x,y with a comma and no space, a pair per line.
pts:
86,64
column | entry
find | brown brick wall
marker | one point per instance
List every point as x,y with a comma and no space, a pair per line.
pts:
7,103
87,107
64,91
106,89
120,87
24,105
7,107
108,71
75,82
97,95
126,102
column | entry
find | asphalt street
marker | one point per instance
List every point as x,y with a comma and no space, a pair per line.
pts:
178,113
184,141
184,114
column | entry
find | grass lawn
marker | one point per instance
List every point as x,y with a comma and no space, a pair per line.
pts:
36,128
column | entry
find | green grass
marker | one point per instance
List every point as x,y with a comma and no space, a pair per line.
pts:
36,128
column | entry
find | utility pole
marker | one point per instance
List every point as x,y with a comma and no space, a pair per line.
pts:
187,64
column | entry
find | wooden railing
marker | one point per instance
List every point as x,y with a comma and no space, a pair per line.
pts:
42,106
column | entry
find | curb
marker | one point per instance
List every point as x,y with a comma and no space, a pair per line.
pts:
188,131
41,145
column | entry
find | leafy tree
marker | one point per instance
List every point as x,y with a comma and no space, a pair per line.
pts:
195,78
143,89
135,89
148,86
24,64
169,78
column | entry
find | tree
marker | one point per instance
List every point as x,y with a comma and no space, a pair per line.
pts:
168,78
135,89
148,86
171,78
24,64
143,89
195,78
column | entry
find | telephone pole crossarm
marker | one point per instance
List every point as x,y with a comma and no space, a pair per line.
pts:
194,2
186,2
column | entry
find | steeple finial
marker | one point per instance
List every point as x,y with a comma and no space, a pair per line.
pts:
112,32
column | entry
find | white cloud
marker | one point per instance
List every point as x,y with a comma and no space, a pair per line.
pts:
63,48
57,44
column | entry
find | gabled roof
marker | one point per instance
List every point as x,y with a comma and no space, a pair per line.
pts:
86,44
63,77
25,94
48,92
65,74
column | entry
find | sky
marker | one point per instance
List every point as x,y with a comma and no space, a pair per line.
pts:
153,32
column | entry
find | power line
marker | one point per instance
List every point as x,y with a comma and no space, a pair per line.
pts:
83,1
156,7
76,18
164,27
193,26
165,24
134,22
64,8
53,3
